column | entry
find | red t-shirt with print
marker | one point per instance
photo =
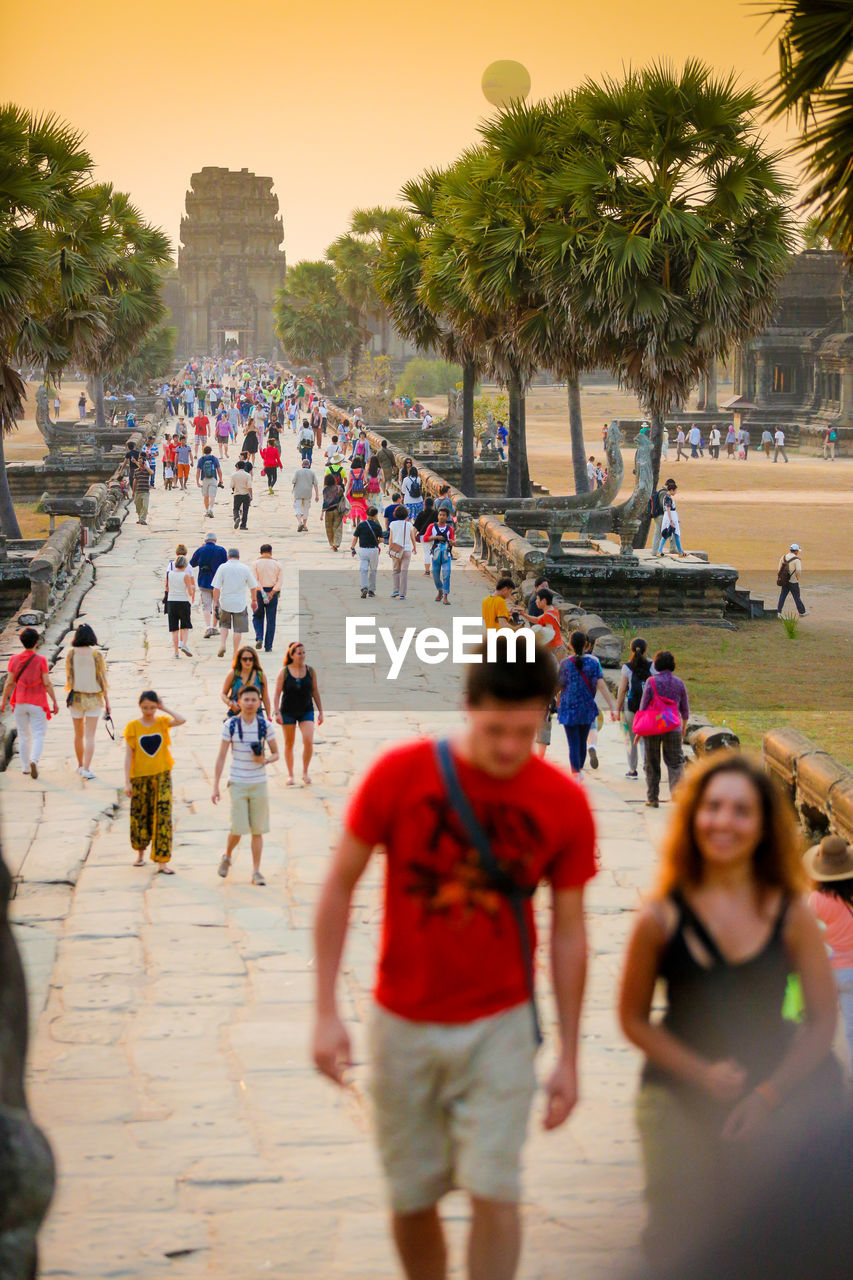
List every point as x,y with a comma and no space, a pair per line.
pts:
450,950
201,422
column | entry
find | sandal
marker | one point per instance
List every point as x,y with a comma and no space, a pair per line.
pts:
165,870
140,861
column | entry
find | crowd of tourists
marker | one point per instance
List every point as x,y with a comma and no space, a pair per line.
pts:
739,1069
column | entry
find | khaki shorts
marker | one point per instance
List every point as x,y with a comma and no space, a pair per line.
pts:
250,809
236,622
451,1104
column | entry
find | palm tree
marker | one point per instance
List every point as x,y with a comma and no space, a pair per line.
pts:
666,229
355,255
45,171
815,83
311,317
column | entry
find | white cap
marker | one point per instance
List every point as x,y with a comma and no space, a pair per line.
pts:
795,546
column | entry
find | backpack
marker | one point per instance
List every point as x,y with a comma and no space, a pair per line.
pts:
357,487
783,577
208,468
656,503
415,489
306,436
635,686
236,722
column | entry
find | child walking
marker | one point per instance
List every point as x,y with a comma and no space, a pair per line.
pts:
148,767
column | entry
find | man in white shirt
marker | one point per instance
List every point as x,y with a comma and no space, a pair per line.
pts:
251,740
233,584
333,450
324,414
304,483
714,442
779,441
270,578
427,420
788,579
241,487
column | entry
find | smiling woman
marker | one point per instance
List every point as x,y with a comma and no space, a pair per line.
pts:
728,1084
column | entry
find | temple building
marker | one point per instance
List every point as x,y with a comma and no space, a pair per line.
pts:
230,266
798,373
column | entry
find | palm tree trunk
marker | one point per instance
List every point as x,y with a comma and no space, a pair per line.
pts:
98,397
8,518
657,443
711,388
513,470
576,435
468,482
525,468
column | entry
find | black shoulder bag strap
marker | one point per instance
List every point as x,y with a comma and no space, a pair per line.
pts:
516,894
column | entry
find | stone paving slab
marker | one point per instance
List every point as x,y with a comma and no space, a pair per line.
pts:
171,1015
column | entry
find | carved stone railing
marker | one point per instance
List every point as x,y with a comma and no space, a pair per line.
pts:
499,550
820,787
56,564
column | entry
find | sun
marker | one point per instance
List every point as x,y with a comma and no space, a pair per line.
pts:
505,80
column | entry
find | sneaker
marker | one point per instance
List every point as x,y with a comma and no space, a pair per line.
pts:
221,653
177,655
394,594
211,631
87,774
371,594
34,770
186,649
631,774
257,878
224,866
652,804
401,597
364,593
593,758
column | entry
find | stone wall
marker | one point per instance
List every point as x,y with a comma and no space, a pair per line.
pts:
820,787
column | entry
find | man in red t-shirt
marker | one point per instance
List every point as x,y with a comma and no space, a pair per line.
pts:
200,424
27,688
452,1043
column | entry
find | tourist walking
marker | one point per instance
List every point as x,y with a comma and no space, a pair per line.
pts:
731,439
680,440
670,527
223,432
412,493
767,442
148,765
180,593
440,539
632,680
788,579
141,487
579,679
81,406
201,422
87,694
271,458
373,484
830,441
208,477
366,543
270,578
251,741
356,493
743,441
245,670
334,506
401,546
829,865
306,441
304,484
207,559
241,487
422,522
26,689
779,445
729,1086
453,1035
234,588
297,693
663,729
660,503
714,443
694,437
183,461
387,462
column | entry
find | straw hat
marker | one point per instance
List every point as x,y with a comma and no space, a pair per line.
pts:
832,859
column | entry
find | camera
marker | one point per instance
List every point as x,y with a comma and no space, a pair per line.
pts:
257,748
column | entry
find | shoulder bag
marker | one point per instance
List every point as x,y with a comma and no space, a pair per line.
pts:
660,716
499,879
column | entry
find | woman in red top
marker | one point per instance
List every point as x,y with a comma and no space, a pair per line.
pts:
271,459
27,688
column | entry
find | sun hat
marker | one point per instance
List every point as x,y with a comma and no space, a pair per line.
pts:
832,859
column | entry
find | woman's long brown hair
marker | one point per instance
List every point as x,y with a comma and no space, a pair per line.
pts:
256,662
776,861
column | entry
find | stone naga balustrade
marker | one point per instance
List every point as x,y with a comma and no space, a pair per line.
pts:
55,563
820,787
88,507
499,550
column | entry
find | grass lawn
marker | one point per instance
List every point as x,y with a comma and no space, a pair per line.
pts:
756,679
34,524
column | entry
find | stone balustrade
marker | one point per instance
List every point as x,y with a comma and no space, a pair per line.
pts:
820,787
55,564
498,550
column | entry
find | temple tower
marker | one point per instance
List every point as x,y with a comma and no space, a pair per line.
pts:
230,264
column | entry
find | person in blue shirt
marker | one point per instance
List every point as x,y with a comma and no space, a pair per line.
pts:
503,437
580,676
207,560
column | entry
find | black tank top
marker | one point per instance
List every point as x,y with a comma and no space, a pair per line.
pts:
297,694
725,1011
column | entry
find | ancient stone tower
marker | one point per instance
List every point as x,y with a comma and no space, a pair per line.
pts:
230,265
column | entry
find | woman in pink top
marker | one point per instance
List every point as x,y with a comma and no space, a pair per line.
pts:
830,865
27,688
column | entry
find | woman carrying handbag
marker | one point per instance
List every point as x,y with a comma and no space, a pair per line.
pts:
662,722
579,678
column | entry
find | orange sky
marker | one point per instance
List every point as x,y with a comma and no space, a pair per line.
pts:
339,102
